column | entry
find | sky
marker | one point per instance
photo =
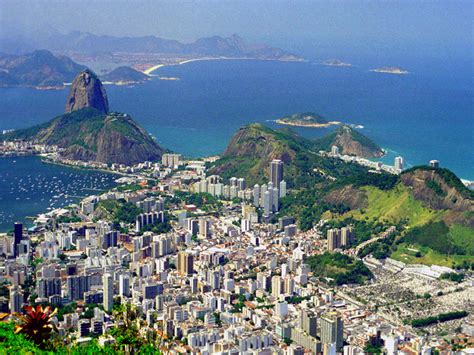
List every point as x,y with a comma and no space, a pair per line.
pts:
342,27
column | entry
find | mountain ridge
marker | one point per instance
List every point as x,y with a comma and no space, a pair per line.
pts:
89,43
40,68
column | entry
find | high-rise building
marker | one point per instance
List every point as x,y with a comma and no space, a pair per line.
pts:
282,188
334,239
76,286
16,300
346,236
277,286
124,285
241,184
204,228
276,172
171,160
233,181
263,189
334,150
108,283
49,287
308,322
434,163
275,197
256,195
398,164
17,237
185,263
192,226
332,329
285,221
267,203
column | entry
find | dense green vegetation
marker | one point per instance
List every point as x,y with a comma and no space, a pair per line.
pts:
158,227
204,201
372,349
452,276
434,235
443,317
341,268
68,219
11,343
127,212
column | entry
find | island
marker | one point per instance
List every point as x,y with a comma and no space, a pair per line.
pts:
391,70
125,76
306,119
336,63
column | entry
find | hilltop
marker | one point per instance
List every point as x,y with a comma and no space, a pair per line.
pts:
88,132
431,207
87,91
39,68
350,142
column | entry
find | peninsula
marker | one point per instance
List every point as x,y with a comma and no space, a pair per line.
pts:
306,119
89,132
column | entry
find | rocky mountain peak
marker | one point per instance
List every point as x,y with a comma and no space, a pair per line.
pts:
87,91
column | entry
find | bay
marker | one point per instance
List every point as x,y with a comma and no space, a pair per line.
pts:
421,116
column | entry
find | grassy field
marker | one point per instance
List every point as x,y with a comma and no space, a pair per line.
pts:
398,204
407,253
393,206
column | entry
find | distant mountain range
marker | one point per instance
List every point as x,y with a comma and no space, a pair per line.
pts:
91,44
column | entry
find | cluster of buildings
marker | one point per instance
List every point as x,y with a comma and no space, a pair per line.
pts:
15,148
377,166
266,196
229,281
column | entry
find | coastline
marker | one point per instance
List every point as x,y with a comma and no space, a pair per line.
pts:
47,160
181,62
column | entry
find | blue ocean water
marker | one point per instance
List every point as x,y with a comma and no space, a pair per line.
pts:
29,187
425,115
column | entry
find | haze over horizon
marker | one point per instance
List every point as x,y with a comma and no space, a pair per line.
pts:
434,30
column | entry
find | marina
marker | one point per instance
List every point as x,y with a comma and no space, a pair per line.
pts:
28,187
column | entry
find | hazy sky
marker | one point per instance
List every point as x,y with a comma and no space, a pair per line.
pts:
352,25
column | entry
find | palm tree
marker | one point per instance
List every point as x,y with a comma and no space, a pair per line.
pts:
36,324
